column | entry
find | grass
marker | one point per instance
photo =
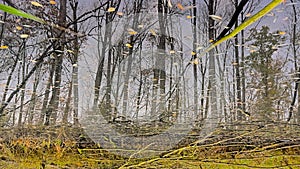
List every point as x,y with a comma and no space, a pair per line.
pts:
230,149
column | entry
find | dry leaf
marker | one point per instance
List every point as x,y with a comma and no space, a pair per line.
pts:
216,17
234,63
131,31
34,3
3,47
180,6
33,61
19,28
153,32
199,48
285,19
128,45
24,36
190,7
195,61
172,51
120,13
27,26
111,9
190,17
52,2
193,53
282,33
70,51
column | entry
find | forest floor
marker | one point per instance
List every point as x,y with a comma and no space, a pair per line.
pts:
243,145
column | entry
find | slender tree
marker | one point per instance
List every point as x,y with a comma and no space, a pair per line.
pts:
54,101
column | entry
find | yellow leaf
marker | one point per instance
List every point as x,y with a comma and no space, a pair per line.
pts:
153,32
111,9
52,2
3,47
70,51
19,28
195,61
193,53
282,33
36,4
172,51
128,45
24,36
189,17
180,6
132,32
234,63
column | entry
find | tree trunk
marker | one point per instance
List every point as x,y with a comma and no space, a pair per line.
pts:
23,73
237,73
74,7
159,82
243,77
214,100
47,91
68,102
31,109
51,114
195,65
137,8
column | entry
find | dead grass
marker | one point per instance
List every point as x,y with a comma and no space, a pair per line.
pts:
251,146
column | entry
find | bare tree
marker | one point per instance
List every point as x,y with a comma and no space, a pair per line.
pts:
54,101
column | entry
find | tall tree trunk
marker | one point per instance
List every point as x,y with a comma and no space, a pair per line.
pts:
195,64
137,9
23,73
294,49
159,83
101,51
74,6
237,73
47,91
243,77
214,100
68,102
31,109
51,114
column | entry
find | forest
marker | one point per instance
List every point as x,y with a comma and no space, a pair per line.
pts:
150,84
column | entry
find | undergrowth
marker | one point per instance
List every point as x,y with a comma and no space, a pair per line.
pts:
66,148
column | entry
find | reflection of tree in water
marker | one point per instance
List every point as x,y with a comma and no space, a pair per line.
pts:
140,121
145,81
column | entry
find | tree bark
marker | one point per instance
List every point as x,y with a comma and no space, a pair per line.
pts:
213,89
51,114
